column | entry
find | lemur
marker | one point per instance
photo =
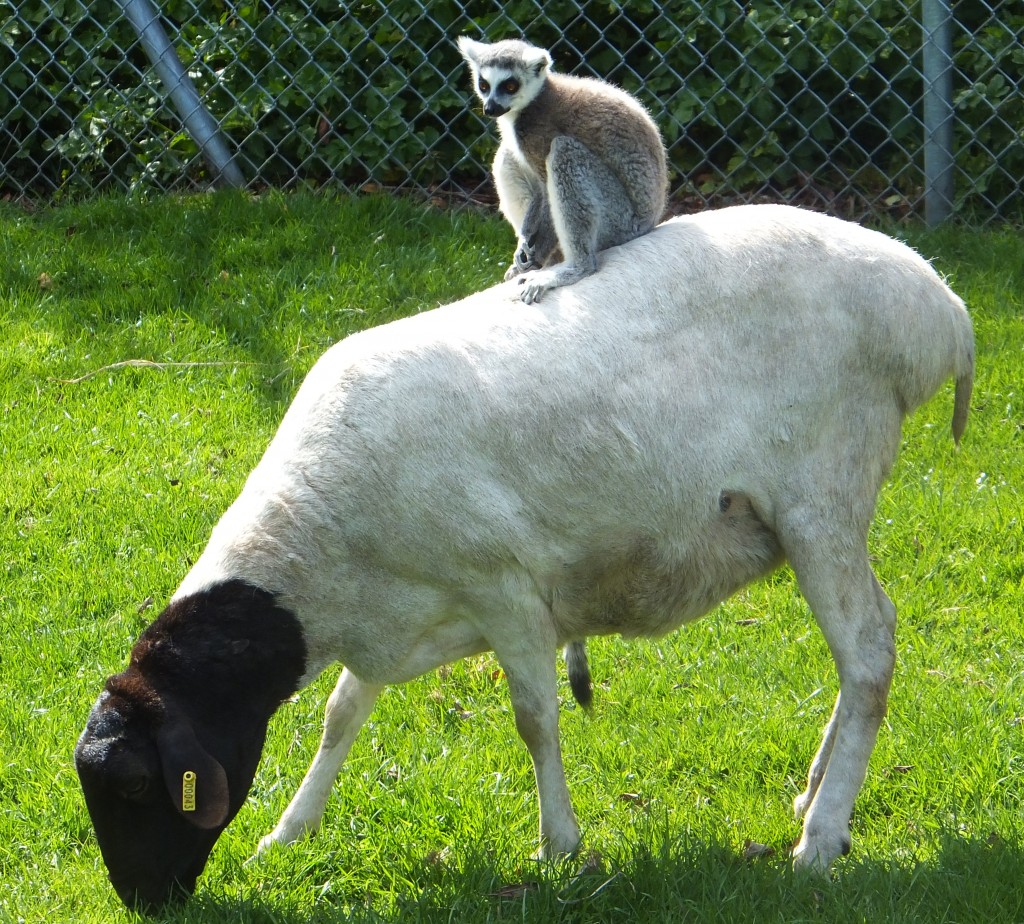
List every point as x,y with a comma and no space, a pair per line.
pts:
581,165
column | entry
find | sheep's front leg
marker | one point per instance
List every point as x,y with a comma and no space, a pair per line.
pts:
347,709
530,667
803,802
858,621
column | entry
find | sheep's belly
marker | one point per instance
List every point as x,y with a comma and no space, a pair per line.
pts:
650,587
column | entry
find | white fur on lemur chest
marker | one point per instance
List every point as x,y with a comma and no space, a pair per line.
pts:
509,140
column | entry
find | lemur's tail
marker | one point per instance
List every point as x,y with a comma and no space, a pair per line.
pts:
579,673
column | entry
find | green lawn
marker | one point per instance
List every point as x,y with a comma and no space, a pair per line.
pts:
112,473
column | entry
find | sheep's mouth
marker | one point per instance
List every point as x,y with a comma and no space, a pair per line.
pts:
153,898
159,885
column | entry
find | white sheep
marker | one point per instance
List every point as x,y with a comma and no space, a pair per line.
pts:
726,393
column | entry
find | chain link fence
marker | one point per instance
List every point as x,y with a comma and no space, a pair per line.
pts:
824,103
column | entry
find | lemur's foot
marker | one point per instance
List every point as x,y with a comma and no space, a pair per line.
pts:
535,284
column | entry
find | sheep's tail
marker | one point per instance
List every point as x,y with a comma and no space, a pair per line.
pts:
932,345
960,340
579,673
958,360
962,392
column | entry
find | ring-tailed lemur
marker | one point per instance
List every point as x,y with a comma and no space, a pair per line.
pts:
581,165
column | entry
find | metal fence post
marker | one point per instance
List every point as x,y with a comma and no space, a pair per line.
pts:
936,24
197,120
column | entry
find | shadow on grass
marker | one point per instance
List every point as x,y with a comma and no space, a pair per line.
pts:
965,880
267,280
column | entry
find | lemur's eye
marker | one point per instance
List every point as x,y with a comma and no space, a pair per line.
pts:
485,87
510,86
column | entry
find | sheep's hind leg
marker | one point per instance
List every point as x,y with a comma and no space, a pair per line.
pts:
858,621
348,708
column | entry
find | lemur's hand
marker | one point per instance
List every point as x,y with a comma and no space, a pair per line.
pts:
524,260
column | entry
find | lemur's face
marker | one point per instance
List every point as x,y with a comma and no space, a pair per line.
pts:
498,89
507,76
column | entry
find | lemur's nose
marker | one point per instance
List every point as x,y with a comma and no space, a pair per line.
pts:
494,109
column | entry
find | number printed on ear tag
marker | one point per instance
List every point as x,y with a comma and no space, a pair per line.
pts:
188,791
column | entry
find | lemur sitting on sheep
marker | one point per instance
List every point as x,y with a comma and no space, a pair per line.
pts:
581,165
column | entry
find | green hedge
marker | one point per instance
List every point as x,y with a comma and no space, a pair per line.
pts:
748,94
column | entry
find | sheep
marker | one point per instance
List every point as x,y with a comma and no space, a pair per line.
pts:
726,394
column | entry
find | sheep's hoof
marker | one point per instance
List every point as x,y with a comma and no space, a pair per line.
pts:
277,839
267,843
565,848
816,859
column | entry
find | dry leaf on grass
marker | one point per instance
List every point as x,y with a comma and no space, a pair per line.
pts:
754,851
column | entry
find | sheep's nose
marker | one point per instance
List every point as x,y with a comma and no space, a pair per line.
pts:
152,895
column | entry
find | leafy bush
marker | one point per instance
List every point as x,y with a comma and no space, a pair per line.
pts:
989,131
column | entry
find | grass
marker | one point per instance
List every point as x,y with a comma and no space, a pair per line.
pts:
112,475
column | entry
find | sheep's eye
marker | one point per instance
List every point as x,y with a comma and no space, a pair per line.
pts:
485,87
510,86
135,788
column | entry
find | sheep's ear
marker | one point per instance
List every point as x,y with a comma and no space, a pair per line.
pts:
196,781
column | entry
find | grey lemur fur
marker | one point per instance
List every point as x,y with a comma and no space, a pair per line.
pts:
581,165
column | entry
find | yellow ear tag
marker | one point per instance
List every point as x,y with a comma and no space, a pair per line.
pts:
188,791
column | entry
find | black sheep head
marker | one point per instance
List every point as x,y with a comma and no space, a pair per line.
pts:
172,744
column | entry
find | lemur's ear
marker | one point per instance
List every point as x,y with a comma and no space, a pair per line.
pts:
470,49
537,60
